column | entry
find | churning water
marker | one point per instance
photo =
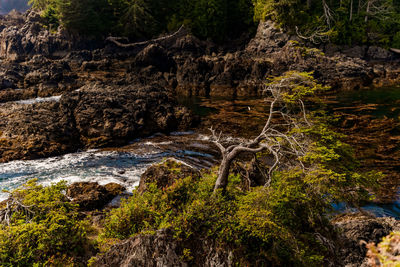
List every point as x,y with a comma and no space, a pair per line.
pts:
123,166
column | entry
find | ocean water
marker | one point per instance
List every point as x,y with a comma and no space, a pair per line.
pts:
122,166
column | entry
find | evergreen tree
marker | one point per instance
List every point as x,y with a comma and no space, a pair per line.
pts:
138,19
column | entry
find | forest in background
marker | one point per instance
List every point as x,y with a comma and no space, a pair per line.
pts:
344,22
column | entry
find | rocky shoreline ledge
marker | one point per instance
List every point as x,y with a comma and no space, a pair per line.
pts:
36,63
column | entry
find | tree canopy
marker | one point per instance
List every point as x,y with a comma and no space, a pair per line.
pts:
349,22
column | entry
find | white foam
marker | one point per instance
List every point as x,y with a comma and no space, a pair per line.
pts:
124,168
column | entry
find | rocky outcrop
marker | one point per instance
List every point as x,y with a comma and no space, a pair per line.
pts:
166,173
161,249
109,110
91,196
95,116
25,36
184,64
357,231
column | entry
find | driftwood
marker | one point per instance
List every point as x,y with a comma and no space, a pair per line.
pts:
182,31
395,50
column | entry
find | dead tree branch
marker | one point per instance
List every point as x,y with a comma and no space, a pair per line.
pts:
285,146
14,206
317,36
178,33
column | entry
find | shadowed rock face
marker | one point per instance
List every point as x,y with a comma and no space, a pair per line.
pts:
93,117
162,249
8,5
45,63
356,231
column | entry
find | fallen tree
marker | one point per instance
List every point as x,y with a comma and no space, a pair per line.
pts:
116,40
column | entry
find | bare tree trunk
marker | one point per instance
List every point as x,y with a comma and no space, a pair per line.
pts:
351,10
367,11
327,13
223,174
285,147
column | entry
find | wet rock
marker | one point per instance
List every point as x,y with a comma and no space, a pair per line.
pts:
36,130
114,189
91,196
166,173
104,118
95,116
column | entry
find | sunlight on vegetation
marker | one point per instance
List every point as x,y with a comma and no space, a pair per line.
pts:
40,226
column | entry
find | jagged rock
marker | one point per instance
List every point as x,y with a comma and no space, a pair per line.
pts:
91,196
166,173
36,130
378,53
268,39
356,231
161,249
92,117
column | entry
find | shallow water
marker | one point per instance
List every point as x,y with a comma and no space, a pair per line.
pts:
377,103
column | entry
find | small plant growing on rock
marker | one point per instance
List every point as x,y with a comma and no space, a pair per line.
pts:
386,253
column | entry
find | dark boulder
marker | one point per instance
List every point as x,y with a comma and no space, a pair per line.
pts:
162,249
156,56
91,196
379,53
166,173
358,230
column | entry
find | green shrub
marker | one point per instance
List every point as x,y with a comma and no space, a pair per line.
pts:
48,231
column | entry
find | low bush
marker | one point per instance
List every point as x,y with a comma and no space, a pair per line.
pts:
41,228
